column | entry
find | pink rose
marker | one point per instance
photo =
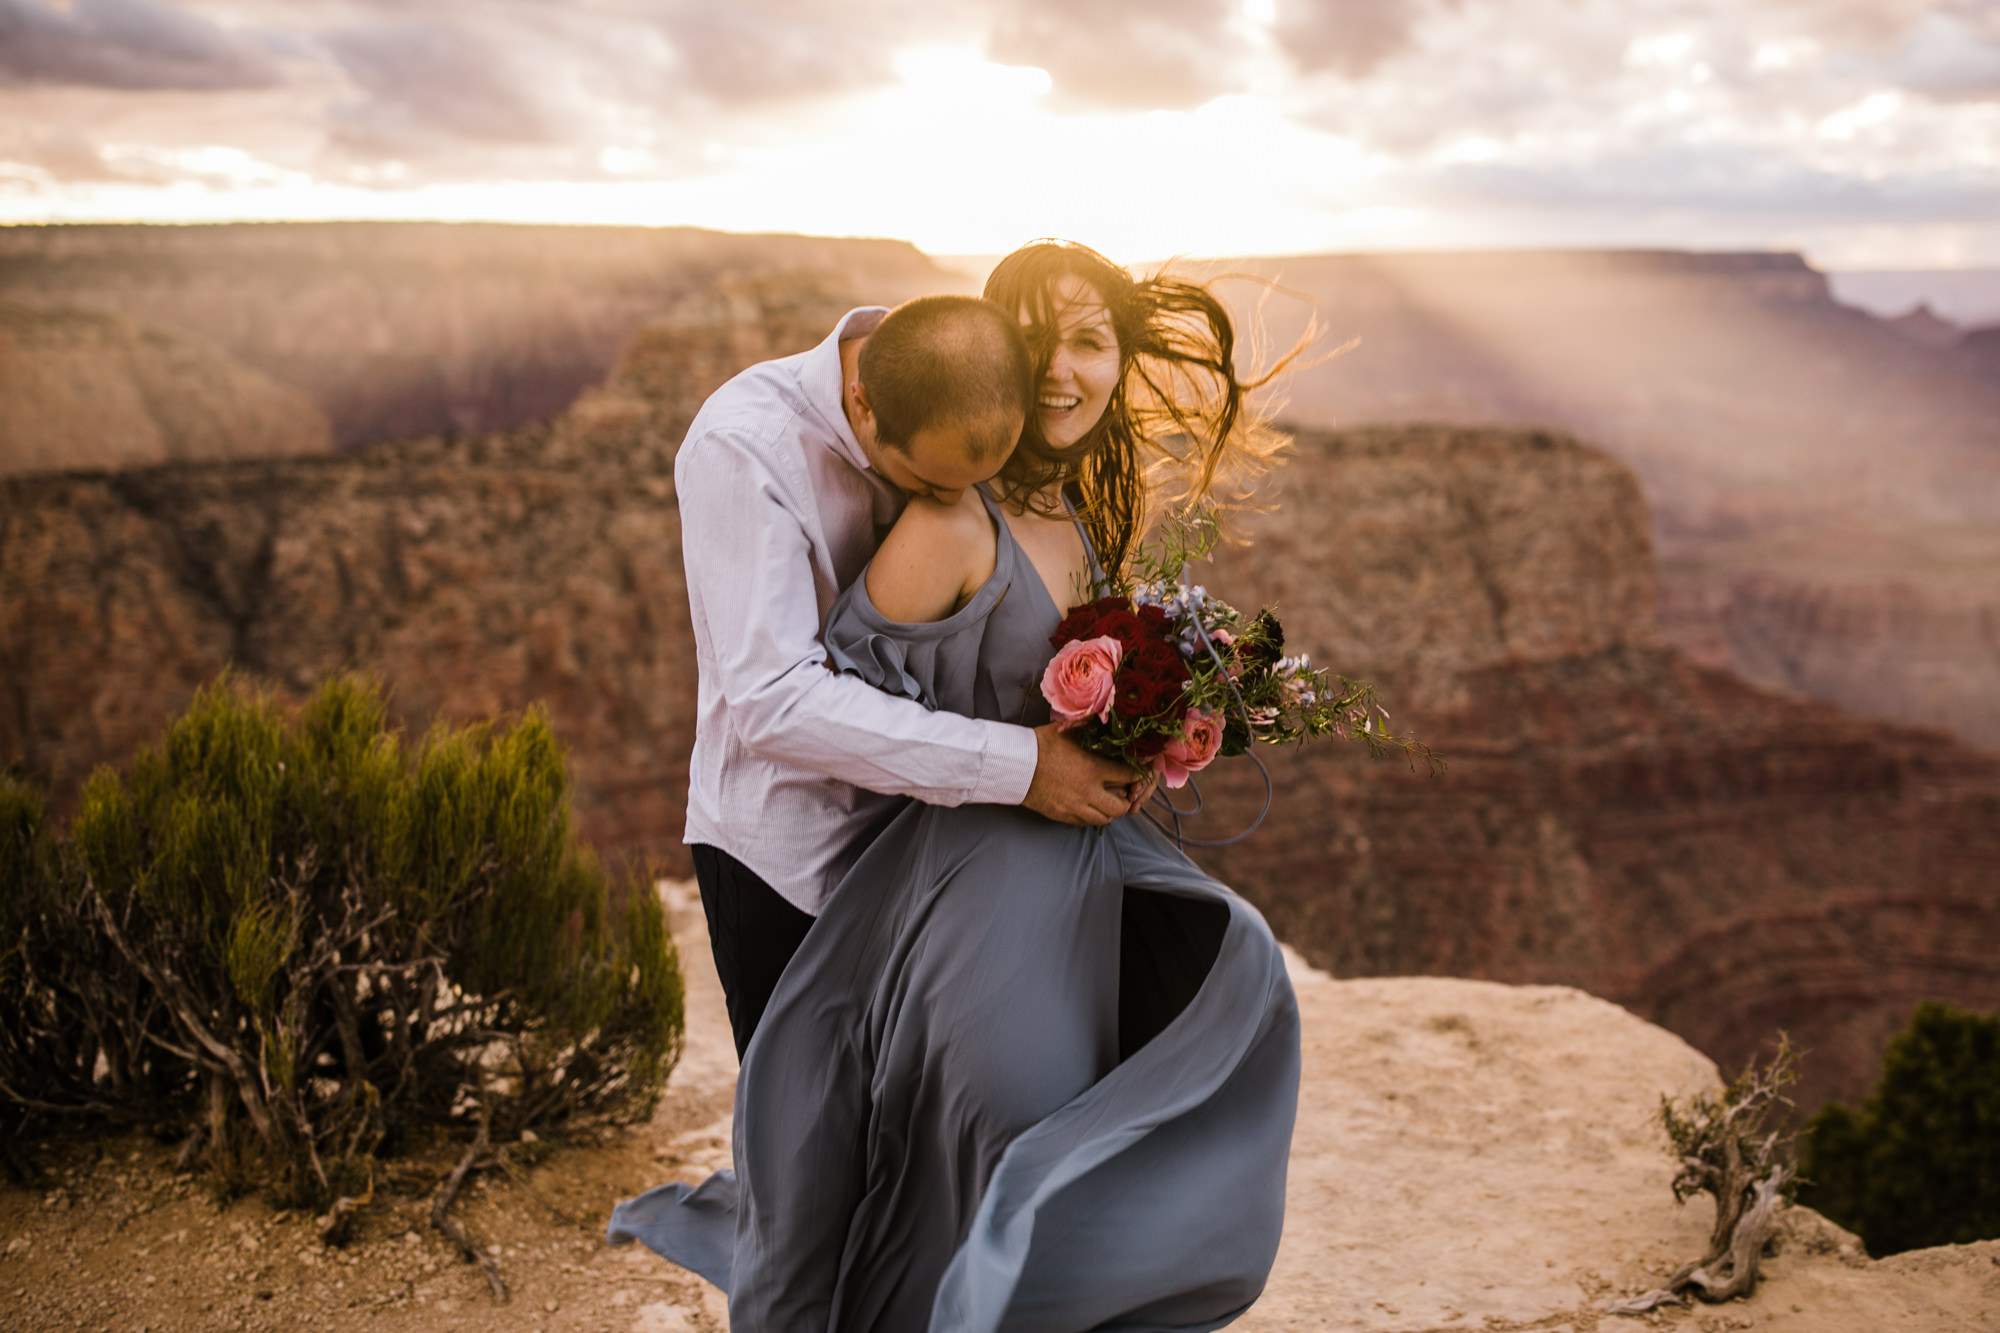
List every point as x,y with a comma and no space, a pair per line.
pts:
1193,750
1077,683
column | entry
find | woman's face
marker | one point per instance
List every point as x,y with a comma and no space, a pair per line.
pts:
1082,373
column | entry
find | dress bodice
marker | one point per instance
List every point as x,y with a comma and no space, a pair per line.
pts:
984,660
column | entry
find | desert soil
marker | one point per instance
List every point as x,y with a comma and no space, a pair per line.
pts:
1469,1156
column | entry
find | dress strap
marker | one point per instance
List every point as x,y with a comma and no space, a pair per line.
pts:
1097,574
1005,545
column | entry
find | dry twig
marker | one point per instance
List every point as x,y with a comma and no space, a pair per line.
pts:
441,1208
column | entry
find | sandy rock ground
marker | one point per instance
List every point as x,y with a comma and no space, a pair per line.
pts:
1469,1156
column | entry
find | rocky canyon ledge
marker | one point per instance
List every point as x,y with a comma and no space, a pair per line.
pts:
1472,1155
1469,1155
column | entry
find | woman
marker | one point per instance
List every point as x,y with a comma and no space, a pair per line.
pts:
1020,1075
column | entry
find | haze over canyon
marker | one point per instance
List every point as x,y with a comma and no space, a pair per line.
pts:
1621,812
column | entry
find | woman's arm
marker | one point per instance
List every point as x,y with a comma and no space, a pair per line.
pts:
933,560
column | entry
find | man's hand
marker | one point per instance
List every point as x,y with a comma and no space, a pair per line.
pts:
1073,786
1140,790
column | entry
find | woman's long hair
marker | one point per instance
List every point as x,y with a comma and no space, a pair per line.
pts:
1177,429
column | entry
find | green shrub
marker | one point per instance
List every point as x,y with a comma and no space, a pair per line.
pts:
335,941
1919,1164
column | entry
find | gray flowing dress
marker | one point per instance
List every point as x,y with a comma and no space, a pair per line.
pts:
1020,1076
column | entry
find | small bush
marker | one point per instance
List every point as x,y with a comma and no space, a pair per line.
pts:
309,941
1734,1149
1919,1163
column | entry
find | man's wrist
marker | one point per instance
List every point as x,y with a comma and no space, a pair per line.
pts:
1007,768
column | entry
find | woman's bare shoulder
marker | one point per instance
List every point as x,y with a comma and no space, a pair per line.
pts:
933,560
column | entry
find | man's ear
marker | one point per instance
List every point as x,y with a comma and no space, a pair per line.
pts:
862,407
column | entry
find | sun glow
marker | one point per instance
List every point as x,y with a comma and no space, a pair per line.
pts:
961,155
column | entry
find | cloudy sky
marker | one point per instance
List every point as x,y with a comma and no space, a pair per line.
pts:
1866,132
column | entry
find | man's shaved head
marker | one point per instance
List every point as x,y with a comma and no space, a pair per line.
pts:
947,360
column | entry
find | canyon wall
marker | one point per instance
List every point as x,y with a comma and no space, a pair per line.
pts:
1896,623
85,389
1757,413
1723,860
397,330
1752,405
1742,394
474,574
1613,816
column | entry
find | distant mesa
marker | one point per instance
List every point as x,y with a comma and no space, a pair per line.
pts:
86,389
1758,413
1981,348
1924,327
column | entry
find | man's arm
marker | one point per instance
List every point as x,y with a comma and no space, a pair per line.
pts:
749,573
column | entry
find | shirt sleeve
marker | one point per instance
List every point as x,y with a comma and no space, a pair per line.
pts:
750,583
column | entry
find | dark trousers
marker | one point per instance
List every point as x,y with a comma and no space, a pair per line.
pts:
752,932
1166,947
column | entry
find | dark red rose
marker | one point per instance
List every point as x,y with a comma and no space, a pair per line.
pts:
1128,629
1156,620
1140,695
1148,747
1086,621
1156,660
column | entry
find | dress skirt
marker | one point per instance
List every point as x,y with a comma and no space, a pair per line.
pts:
933,1127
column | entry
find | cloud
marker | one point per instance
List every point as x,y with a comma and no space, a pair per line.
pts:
1950,59
60,153
421,80
1346,37
1124,54
134,45
782,50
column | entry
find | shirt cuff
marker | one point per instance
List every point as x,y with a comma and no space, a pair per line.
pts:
1007,769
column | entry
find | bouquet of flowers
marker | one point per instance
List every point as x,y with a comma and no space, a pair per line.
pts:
1162,675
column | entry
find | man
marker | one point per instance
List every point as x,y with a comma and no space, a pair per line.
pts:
788,477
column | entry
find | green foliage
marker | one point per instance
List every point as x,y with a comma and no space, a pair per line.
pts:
335,939
1919,1163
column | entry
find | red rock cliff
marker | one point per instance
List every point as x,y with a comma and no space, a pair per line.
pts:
474,574
1724,860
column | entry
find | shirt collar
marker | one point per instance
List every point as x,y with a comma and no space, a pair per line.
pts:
820,377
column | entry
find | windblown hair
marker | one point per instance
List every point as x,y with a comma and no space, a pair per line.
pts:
1178,429
945,359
